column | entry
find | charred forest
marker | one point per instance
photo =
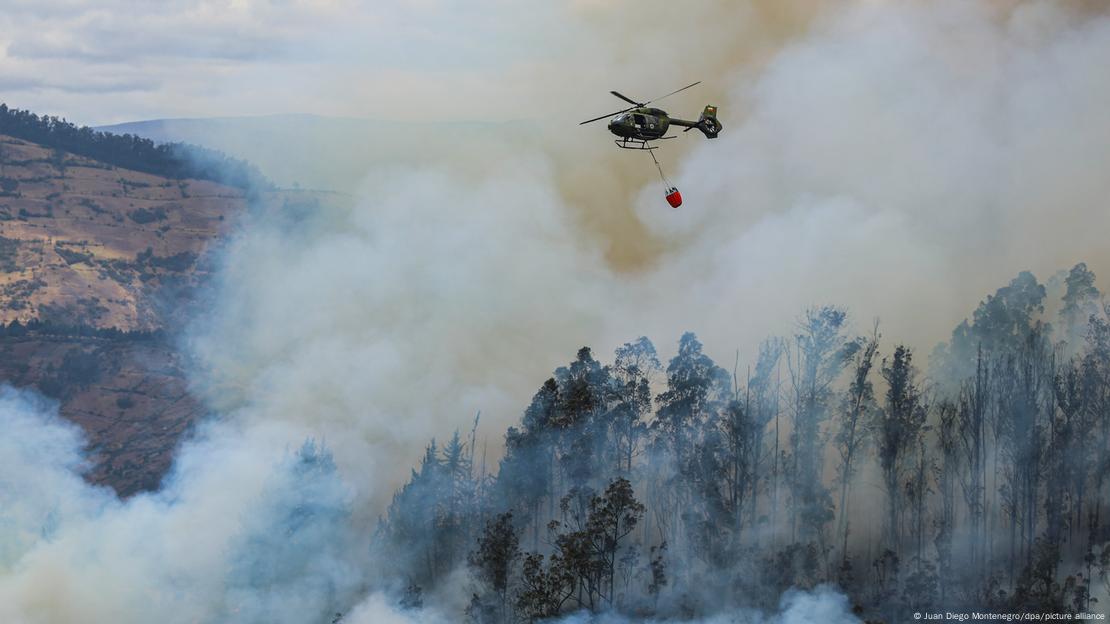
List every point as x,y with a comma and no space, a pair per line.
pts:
971,476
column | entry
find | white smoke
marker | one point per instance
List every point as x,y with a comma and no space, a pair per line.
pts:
822,604
918,156
40,482
244,531
873,163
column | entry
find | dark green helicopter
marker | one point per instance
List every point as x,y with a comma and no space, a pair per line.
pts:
639,124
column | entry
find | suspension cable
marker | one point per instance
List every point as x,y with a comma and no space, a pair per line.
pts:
666,182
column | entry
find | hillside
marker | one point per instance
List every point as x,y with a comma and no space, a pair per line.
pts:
82,243
97,267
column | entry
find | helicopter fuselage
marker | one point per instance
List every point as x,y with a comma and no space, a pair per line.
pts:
645,124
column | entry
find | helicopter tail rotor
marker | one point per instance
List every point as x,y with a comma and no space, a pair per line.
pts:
708,123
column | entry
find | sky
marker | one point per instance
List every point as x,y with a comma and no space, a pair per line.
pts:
112,61
120,60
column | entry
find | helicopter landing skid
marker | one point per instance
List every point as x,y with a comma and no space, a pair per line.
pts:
633,144
638,144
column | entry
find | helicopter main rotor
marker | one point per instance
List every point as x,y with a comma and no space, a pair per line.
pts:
629,100
636,104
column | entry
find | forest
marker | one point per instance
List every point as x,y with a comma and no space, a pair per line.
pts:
171,160
682,489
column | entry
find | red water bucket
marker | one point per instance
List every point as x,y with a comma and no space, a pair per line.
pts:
674,198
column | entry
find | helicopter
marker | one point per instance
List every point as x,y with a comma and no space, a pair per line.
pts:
637,126
640,124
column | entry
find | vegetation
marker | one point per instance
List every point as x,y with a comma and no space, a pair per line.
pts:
9,249
171,160
685,490
36,328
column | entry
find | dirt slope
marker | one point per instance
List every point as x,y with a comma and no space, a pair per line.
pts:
86,243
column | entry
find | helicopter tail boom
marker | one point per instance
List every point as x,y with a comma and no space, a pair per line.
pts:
707,123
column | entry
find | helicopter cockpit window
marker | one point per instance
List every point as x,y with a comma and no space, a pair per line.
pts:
640,120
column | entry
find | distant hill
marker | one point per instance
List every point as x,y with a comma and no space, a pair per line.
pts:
333,153
174,160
